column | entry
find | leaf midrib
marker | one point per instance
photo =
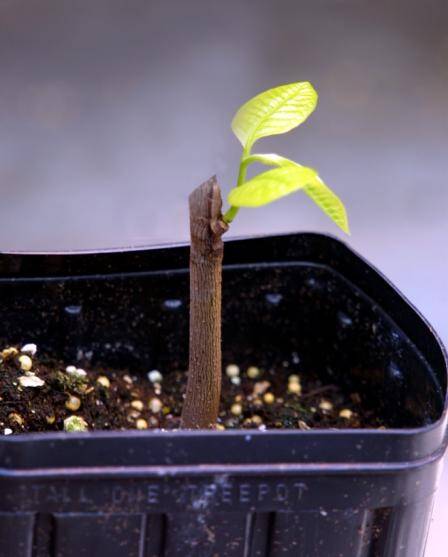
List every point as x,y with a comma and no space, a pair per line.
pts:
264,118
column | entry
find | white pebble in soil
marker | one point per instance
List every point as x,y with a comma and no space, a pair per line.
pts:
269,398
7,431
254,420
103,381
73,403
15,418
155,376
76,371
232,370
294,388
26,363
141,424
325,406
31,381
137,405
346,414
261,387
29,348
236,409
253,372
9,352
155,405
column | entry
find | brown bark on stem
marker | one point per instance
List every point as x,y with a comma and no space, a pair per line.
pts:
201,405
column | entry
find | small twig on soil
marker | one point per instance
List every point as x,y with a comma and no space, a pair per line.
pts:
319,391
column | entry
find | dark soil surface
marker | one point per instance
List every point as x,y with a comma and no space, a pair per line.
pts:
48,395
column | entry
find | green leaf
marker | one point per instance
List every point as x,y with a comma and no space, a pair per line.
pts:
287,178
275,111
329,202
269,186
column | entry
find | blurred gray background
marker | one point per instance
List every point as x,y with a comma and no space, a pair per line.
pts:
111,112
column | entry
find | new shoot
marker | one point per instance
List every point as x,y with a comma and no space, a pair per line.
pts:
272,112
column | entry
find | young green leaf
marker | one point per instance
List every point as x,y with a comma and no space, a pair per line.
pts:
275,111
294,177
270,186
329,202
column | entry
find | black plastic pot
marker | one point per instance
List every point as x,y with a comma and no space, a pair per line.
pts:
342,493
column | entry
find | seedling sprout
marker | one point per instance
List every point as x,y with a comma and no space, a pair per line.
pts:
275,111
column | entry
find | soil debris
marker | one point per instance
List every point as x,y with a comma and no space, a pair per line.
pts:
58,396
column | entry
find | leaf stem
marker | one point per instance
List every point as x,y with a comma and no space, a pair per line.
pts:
244,163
